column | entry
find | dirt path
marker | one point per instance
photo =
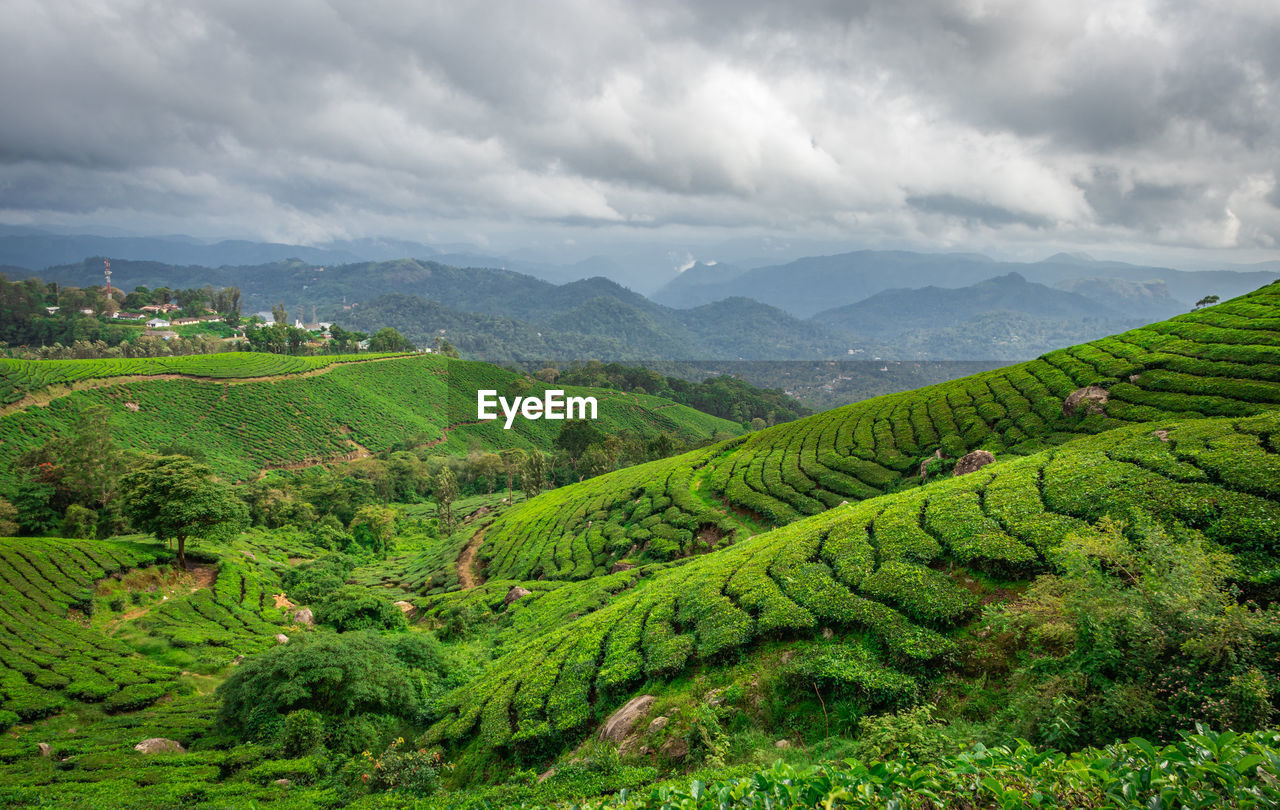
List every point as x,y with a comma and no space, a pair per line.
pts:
42,398
444,431
467,578
359,451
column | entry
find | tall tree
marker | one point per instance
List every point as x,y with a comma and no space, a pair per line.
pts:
446,491
534,474
513,459
175,498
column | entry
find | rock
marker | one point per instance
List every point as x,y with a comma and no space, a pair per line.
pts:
1133,378
515,593
924,465
620,566
828,633
782,744
45,749
1162,434
620,723
235,662
1091,398
658,724
714,698
675,748
248,554
283,782
972,462
304,616
160,745
406,607
547,774
281,638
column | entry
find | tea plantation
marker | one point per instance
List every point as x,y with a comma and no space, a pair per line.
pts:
295,419
851,609
1223,361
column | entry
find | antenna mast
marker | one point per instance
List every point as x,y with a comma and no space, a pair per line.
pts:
107,273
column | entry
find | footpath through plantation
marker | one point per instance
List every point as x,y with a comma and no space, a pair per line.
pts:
1052,584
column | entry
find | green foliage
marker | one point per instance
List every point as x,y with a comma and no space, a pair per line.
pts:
1199,770
404,769
1140,632
353,608
174,497
312,582
338,676
79,522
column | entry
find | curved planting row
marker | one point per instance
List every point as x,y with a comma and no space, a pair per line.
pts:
1222,361
46,658
20,377
237,614
897,567
649,512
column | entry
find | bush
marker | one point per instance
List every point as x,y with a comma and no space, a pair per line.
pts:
338,676
354,608
414,771
302,733
80,522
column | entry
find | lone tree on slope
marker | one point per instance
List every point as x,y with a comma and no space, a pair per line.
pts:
175,498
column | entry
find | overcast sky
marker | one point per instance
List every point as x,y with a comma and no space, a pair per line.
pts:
1019,127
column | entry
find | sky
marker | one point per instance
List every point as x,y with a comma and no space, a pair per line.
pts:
1140,130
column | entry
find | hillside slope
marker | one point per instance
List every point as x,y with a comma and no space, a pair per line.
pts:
1223,361
289,411
900,568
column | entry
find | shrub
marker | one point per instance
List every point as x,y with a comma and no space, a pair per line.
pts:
80,522
338,676
354,607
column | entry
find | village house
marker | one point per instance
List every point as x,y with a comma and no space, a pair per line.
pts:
129,316
52,310
86,311
157,323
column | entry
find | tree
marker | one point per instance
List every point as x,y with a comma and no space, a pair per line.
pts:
1208,300
175,498
387,339
576,435
278,314
513,459
8,519
374,527
446,491
534,474
446,349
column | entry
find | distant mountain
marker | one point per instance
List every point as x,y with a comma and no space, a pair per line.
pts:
1144,300
36,251
892,312
810,285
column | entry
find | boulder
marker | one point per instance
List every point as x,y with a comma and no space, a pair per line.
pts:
782,744
1162,434
828,633
45,749
620,723
283,782
160,745
235,662
675,748
304,616
515,593
281,638
714,698
972,462
620,566
1091,398
658,724
405,607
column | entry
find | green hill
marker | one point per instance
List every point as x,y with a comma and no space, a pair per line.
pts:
899,567
1223,361
245,412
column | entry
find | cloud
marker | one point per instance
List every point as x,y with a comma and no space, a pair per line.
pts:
930,122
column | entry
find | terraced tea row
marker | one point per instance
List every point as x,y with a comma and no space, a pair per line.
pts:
21,377
895,567
1223,361
47,659
582,531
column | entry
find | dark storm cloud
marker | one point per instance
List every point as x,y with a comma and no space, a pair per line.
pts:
916,120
